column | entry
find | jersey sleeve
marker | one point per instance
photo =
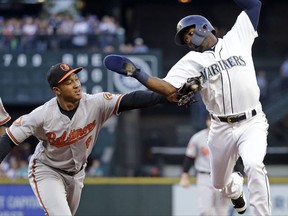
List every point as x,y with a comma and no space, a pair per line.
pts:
185,68
24,127
107,104
243,31
4,116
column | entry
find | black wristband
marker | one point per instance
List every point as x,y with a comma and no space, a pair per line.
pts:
6,146
188,162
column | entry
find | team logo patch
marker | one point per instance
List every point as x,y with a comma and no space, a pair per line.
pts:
64,67
107,96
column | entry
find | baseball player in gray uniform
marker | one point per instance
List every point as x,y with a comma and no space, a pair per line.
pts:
67,127
210,200
228,87
4,118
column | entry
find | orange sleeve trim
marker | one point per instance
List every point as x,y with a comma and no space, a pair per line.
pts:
117,105
12,137
5,120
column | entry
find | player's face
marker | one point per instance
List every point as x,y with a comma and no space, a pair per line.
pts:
70,88
188,39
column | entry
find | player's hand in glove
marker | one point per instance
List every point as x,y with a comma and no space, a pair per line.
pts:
184,180
125,66
188,90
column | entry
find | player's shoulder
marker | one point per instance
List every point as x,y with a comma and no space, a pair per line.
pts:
100,96
48,106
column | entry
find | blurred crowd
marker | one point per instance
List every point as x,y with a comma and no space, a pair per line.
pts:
66,32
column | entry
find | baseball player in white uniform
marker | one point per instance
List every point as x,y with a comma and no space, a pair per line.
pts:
4,118
225,70
210,200
67,127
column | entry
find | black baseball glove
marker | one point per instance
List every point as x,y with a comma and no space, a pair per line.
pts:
188,90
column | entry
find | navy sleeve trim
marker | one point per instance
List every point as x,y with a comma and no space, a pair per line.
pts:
252,9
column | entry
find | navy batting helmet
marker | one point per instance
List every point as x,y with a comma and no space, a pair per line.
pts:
202,28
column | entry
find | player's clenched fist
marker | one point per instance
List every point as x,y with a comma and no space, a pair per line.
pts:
184,180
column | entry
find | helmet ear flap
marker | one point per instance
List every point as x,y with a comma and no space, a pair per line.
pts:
202,28
200,33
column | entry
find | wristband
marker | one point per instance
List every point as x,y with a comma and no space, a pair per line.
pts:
141,76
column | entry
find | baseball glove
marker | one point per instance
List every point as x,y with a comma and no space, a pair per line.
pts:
188,90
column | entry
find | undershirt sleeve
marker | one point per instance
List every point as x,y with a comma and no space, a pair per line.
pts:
6,146
141,99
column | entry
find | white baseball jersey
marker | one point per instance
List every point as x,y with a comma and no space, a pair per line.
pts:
227,74
63,143
197,148
4,116
229,87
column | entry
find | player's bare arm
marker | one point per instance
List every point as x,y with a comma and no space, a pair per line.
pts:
124,66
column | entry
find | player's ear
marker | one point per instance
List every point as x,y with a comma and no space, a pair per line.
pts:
56,90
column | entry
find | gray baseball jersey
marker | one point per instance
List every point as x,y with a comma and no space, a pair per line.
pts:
4,116
64,145
197,148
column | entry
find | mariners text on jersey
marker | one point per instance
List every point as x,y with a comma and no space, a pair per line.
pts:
221,65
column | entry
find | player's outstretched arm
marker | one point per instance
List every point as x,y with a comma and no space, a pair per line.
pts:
124,66
252,8
141,99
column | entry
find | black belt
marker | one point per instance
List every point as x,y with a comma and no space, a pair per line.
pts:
202,172
234,118
70,173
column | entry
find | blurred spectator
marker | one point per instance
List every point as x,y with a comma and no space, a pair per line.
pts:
29,30
95,169
12,33
16,168
107,30
80,33
22,171
16,164
64,31
11,171
263,85
93,29
139,46
43,32
126,48
284,74
54,23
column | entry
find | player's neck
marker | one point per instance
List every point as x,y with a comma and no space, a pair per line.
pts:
67,105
